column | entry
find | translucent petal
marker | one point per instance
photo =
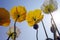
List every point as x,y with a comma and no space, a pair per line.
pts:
4,17
11,30
19,10
49,5
33,17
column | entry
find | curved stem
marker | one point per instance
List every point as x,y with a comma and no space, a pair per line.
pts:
10,36
55,24
44,29
15,29
37,34
15,25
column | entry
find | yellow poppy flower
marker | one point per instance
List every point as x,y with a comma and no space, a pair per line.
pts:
18,11
34,17
4,17
49,6
11,30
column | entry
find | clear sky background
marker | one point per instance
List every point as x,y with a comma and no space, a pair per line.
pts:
28,33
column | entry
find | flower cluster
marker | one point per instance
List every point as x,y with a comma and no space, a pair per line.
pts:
18,14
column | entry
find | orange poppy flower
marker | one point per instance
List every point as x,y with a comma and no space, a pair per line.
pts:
4,17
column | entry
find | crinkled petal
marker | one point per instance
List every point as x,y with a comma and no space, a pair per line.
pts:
19,10
34,17
49,5
11,30
4,17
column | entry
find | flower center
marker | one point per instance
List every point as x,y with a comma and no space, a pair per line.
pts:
18,15
49,9
34,19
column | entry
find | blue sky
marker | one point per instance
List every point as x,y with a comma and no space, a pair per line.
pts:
28,33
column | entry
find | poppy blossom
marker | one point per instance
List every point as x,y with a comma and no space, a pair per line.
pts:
49,6
4,17
18,11
11,31
34,17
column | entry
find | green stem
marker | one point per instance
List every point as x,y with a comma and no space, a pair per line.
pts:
10,36
54,27
44,29
37,34
15,25
15,29
55,24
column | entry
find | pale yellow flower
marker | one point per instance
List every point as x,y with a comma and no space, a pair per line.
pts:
49,6
4,17
34,17
18,11
11,30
